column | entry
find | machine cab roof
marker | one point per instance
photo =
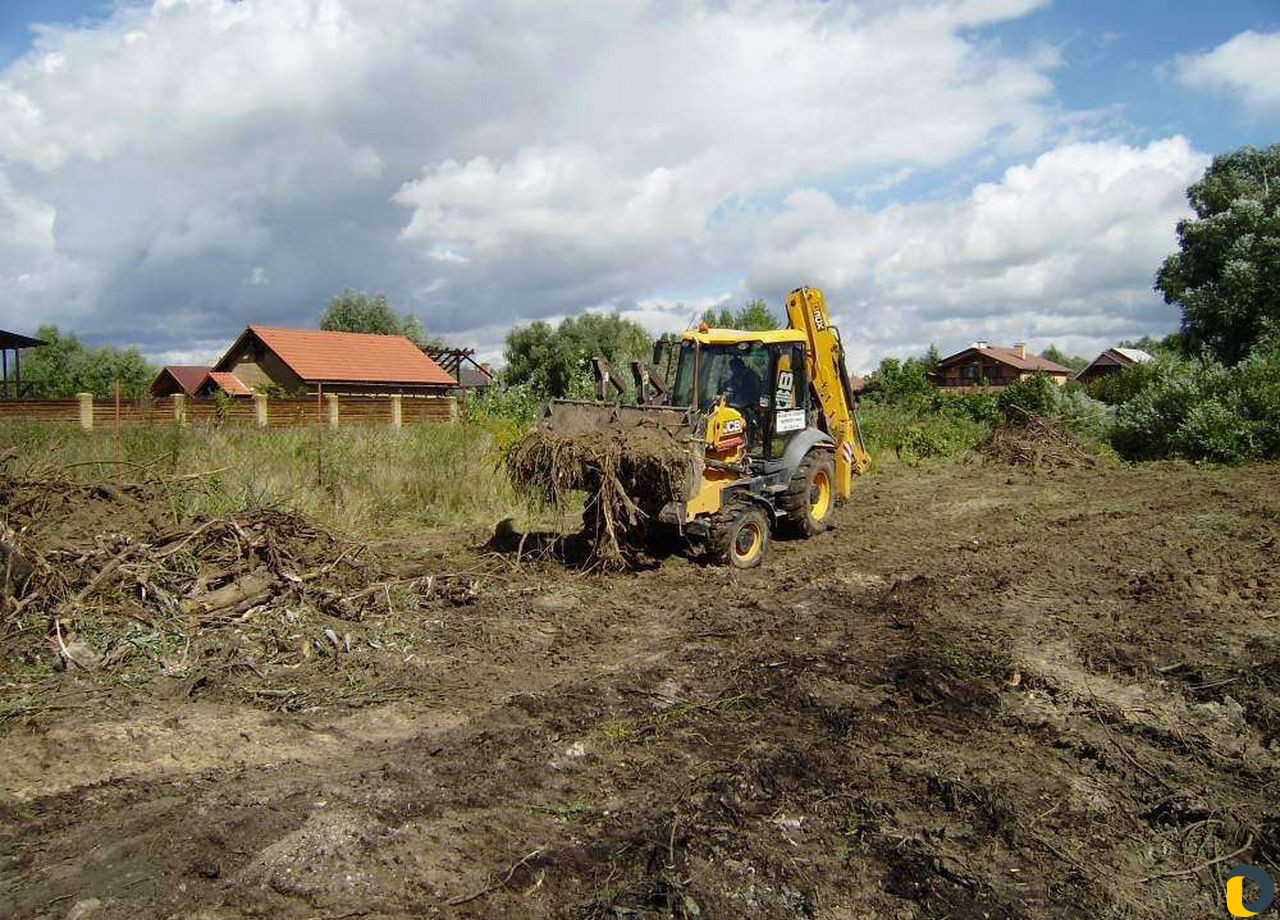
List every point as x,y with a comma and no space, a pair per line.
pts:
734,336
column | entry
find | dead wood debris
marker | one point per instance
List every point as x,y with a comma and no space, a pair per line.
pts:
1036,442
627,475
91,579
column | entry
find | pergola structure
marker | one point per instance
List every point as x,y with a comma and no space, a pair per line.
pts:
13,342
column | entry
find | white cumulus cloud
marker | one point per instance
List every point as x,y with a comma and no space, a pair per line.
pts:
185,167
1245,66
1059,250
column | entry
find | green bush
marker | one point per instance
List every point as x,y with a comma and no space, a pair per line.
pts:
1036,394
1199,410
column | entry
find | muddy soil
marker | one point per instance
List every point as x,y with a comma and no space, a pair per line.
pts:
988,693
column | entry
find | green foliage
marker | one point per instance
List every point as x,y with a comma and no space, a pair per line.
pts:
1225,275
1126,383
1036,394
66,366
355,311
897,381
755,315
554,360
1072,363
942,435
1200,410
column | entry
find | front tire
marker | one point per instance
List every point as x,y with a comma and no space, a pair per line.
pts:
810,499
739,537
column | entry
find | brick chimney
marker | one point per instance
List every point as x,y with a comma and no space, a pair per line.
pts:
1022,349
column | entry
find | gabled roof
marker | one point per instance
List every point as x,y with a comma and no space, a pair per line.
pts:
1011,356
473,375
346,357
188,377
229,383
1135,355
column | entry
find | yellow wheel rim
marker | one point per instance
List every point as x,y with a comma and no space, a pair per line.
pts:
748,542
820,496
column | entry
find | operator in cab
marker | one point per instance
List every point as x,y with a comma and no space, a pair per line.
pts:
745,387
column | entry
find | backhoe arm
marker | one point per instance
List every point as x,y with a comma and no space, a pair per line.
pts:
807,311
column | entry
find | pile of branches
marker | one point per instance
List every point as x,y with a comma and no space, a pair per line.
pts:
628,474
1031,440
180,581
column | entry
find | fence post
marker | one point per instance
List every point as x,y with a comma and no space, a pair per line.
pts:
331,399
180,409
86,410
397,418
260,409
453,408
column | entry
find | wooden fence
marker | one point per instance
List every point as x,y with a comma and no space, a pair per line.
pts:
253,412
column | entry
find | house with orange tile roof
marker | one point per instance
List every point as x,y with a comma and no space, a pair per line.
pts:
984,365
266,358
179,378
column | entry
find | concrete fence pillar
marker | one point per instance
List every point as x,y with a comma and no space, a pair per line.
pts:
180,408
331,402
453,408
260,409
86,407
86,410
397,412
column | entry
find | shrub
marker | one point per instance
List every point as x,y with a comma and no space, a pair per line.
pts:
1200,410
1036,394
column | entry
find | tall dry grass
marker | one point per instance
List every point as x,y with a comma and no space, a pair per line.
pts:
357,481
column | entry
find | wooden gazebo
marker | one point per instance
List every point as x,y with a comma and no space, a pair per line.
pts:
13,342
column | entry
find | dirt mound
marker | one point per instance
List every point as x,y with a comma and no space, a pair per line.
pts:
1033,441
627,473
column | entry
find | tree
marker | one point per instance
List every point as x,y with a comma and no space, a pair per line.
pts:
550,359
755,316
356,311
1225,276
1058,356
896,381
66,366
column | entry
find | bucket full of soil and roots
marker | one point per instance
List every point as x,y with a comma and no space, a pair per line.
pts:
629,461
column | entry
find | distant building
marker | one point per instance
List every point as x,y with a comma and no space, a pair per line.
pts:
309,360
1112,361
179,378
14,342
984,365
461,365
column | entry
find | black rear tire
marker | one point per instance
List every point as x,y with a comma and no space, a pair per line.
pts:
809,500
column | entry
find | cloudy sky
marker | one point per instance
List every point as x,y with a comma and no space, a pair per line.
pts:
947,170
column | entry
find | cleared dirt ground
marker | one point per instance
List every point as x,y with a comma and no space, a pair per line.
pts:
987,693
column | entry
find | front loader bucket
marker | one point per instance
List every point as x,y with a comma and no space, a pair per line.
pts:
567,418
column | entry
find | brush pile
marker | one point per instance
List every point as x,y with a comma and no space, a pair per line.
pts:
91,576
1033,441
628,474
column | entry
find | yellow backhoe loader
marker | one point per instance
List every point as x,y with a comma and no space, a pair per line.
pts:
769,419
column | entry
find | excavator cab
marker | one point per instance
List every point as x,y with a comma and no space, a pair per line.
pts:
763,380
